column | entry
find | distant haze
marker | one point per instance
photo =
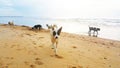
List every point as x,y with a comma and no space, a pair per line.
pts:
61,8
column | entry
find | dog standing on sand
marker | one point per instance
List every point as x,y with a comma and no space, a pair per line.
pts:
11,23
55,33
51,26
95,31
37,27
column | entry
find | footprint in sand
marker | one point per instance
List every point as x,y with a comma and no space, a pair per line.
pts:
103,43
37,58
73,66
28,34
38,62
9,57
110,66
13,46
34,42
32,66
111,43
40,38
27,63
74,47
4,67
105,58
41,46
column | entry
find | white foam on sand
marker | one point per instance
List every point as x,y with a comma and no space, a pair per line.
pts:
110,32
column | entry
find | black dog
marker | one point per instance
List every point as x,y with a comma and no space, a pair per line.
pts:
37,27
95,31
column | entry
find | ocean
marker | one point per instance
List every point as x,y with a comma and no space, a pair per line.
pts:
110,28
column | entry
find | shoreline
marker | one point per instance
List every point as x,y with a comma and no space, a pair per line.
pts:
91,36
77,26
79,34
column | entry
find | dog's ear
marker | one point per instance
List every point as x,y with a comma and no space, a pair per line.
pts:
59,31
98,29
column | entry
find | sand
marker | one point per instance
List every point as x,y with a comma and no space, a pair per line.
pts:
21,47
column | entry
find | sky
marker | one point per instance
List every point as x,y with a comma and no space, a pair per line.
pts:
61,8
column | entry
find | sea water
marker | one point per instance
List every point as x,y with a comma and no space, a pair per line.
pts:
110,28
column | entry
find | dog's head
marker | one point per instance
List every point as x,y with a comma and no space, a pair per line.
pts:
98,29
56,32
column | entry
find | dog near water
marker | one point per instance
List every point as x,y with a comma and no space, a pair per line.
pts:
11,23
95,31
55,33
51,26
37,27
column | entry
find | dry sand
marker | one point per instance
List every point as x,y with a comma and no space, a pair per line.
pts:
21,47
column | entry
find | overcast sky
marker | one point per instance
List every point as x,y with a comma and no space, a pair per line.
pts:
61,8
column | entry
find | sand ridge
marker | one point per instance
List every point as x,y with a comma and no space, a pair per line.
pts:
21,47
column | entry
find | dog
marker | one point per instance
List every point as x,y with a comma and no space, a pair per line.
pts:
55,33
95,31
37,27
11,23
51,26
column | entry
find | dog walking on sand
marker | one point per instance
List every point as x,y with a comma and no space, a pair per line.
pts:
55,33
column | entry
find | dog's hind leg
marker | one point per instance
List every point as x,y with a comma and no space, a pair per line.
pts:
89,32
96,33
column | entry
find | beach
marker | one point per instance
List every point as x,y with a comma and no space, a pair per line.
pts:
109,28
21,47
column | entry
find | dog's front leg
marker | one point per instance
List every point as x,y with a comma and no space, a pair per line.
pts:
55,51
55,48
96,33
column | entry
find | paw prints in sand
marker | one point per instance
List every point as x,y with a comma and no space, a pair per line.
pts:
38,61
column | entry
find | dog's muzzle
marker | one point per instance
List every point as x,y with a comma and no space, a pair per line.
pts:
56,37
